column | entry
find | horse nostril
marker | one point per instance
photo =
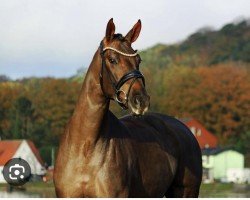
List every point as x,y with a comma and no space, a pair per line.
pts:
139,100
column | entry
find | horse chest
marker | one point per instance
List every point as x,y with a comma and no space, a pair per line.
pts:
106,175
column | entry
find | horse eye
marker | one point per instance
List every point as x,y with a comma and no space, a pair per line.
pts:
112,61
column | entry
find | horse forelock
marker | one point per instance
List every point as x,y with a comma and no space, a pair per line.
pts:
119,36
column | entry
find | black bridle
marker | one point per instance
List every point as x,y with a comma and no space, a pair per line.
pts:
134,74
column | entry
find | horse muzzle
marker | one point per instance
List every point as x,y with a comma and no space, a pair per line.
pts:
139,104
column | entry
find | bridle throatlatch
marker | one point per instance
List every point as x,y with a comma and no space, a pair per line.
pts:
134,74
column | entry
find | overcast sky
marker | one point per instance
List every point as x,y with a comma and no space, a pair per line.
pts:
57,37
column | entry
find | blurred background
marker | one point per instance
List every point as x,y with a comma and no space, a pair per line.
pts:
196,60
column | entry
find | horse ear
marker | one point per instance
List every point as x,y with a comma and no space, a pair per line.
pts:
110,30
133,34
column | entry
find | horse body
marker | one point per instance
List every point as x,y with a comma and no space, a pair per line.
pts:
103,156
151,156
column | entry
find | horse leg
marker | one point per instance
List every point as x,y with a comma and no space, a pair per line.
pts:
182,192
185,185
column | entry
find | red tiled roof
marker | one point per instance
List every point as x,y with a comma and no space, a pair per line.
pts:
206,139
7,150
9,147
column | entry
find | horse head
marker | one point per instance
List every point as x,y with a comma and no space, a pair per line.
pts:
120,77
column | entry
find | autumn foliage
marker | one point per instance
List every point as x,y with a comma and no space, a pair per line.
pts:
218,96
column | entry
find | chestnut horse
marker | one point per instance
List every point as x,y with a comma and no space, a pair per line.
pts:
153,155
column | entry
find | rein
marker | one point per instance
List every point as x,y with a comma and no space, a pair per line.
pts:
134,74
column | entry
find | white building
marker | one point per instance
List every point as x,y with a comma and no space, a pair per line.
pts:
217,162
24,149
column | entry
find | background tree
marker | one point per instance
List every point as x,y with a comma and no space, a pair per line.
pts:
21,118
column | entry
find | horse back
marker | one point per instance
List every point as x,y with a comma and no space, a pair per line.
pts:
155,127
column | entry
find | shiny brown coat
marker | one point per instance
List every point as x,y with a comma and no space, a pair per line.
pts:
102,156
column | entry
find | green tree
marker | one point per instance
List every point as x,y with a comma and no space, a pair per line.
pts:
22,117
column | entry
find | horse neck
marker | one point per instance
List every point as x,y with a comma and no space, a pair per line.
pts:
91,107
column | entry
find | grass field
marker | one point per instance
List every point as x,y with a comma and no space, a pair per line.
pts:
207,190
44,190
222,190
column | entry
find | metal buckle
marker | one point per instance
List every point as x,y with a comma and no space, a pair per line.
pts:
117,94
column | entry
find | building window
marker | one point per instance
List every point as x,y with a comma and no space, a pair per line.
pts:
198,132
205,159
193,130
